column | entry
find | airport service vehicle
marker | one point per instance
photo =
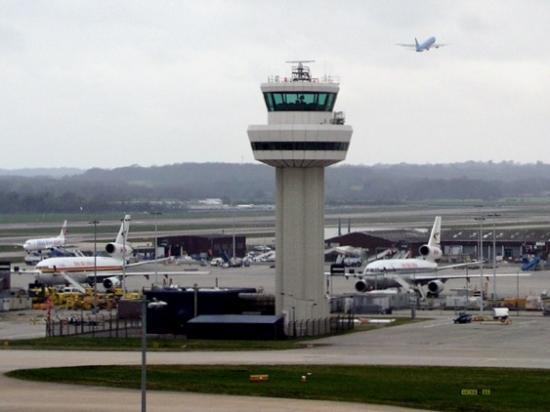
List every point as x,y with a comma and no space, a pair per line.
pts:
463,317
347,255
528,264
425,45
38,245
413,274
501,313
110,269
33,258
218,261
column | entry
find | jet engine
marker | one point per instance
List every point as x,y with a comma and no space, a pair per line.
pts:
430,252
362,286
435,287
111,282
117,249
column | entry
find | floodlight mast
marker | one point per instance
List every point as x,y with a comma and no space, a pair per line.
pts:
300,73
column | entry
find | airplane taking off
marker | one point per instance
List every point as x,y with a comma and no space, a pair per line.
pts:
38,245
423,46
82,269
414,273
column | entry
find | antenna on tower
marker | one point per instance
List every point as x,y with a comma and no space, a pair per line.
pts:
300,72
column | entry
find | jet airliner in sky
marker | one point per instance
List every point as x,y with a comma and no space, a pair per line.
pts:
424,45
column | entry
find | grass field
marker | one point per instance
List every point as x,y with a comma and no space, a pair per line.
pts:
436,388
129,344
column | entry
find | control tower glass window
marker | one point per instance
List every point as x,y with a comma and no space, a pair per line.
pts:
299,102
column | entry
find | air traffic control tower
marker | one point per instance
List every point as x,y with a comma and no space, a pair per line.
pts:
303,135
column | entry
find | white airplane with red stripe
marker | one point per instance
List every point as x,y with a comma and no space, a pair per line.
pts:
409,274
82,269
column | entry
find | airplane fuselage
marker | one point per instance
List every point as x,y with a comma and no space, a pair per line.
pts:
426,44
79,268
377,275
32,245
400,266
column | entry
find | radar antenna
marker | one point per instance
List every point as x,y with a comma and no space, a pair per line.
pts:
299,71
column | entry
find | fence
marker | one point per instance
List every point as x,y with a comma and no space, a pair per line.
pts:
101,326
319,327
112,327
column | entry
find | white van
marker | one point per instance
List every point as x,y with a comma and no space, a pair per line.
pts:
501,313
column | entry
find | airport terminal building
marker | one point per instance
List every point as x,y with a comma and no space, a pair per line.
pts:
457,244
215,245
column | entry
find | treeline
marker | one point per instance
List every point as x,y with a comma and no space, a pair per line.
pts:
164,187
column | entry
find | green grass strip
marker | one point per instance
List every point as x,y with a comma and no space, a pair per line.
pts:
129,344
436,388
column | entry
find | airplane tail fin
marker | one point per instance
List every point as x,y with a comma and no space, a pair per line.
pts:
416,43
63,232
122,236
435,236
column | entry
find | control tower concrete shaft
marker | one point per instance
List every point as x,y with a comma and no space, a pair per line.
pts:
302,137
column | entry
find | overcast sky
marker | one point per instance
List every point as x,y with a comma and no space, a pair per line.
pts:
113,83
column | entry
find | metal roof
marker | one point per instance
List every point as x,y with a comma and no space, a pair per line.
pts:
263,319
459,235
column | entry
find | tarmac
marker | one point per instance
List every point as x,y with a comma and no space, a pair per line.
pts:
434,342
262,276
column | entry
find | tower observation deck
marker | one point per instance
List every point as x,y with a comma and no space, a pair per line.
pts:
303,134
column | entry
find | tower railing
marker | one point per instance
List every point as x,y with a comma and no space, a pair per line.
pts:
285,79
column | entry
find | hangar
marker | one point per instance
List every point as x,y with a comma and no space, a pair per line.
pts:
457,244
214,245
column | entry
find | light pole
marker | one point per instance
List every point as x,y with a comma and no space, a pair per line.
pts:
494,216
480,219
124,234
234,212
156,214
154,304
95,222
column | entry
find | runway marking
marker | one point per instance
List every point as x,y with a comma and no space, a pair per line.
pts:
433,325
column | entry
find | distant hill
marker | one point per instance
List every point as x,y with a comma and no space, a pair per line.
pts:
42,171
135,187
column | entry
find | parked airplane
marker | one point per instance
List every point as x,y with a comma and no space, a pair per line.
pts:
82,269
415,273
423,46
38,245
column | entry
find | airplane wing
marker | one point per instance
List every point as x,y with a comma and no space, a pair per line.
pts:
404,284
165,273
437,45
428,278
146,262
160,260
458,265
406,45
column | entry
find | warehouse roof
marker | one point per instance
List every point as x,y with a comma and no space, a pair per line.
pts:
264,319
